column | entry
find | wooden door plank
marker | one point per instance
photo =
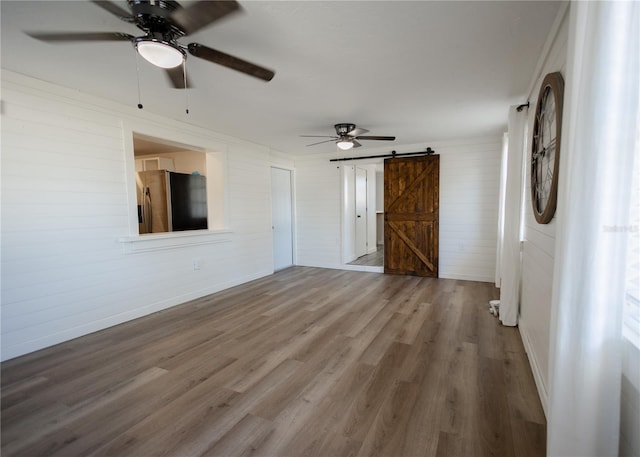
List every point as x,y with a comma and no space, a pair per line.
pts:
422,217
413,186
410,244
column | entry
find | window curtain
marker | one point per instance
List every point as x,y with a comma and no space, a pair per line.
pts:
510,253
600,120
503,191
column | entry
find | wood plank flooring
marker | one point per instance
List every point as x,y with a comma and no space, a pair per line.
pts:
375,259
307,362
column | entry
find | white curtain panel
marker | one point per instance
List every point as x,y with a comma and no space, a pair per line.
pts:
510,253
600,119
503,191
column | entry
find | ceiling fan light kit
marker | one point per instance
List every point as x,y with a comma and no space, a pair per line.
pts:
345,145
161,54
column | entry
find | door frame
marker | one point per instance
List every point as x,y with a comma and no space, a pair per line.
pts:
347,213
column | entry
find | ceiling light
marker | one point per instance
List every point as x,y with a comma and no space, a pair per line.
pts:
345,144
160,54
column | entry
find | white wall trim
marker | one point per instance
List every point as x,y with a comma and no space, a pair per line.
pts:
157,242
535,368
463,277
365,268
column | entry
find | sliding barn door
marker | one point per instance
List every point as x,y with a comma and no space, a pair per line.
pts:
411,201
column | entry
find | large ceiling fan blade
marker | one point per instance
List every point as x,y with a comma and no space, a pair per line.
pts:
202,13
379,138
356,144
320,142
229,61
357,131
115,10
319,136
81,36
176,75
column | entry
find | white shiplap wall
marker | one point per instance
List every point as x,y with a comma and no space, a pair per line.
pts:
539,244
65,206
469,196
469,185
318,221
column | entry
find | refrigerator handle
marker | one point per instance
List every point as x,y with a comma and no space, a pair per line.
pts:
147,212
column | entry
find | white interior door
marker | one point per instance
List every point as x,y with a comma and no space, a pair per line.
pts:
281,218
361,212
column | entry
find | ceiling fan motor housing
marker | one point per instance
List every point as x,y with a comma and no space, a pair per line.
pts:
154,17
153,6
344,129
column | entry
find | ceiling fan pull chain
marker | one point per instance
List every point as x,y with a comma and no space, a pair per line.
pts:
186,92
138,78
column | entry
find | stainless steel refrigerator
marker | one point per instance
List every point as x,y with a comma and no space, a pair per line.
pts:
169,201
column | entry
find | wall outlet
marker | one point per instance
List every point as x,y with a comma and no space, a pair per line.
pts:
196,264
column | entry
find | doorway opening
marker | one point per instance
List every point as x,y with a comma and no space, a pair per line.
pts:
362,216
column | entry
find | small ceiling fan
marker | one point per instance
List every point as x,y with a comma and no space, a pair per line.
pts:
164,22
347,136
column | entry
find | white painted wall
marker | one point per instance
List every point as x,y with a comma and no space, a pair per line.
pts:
318,206
539,242
469,191
66,205
469,185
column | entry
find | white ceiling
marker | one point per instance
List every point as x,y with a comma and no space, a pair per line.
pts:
419,70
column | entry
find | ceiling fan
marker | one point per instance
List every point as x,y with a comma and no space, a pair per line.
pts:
164,22
347,136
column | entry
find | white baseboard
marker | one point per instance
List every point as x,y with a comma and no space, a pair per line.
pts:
535,367
445,275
